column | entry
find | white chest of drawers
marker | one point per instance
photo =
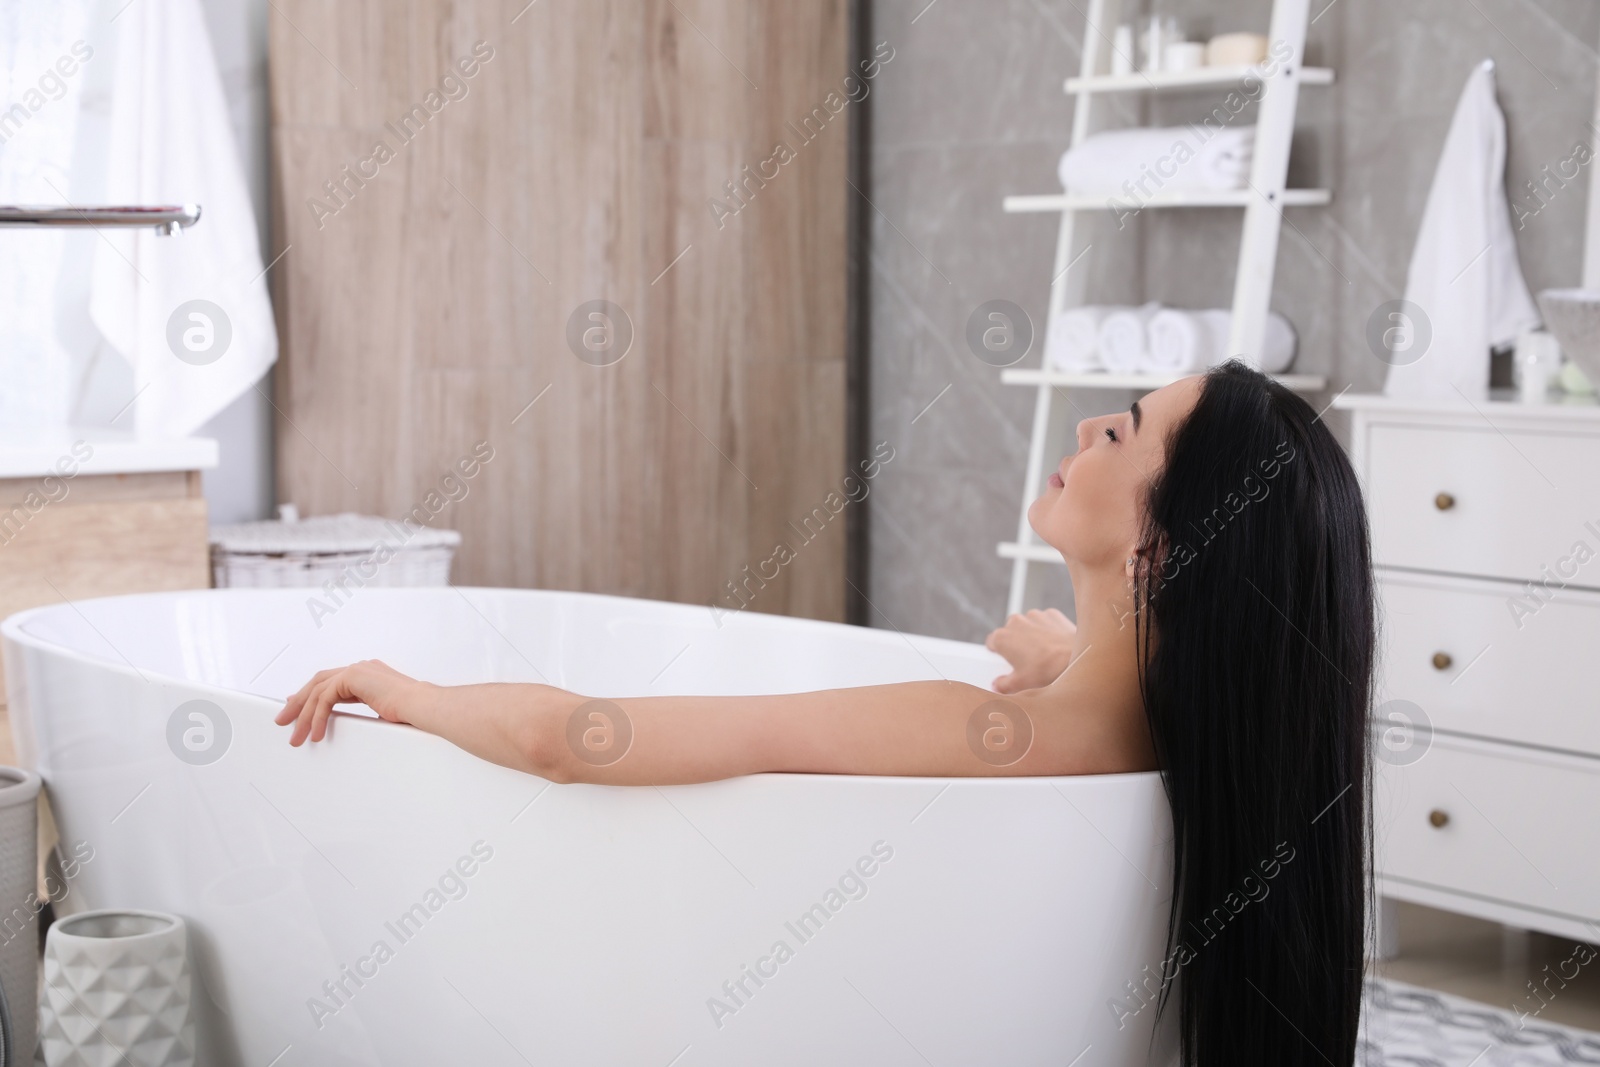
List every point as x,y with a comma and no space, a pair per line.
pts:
1486,538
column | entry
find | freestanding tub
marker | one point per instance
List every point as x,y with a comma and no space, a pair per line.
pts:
385,898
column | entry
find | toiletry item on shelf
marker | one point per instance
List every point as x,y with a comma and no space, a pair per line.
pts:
1122,49
1158,34
1187,342
1154,39
117,989
1071,341
1124,340
1183,55
1464,275
1152,42
1536,365
1165,160
1573,381
1236,50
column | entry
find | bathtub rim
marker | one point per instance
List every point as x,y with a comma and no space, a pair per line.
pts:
11,627
11,631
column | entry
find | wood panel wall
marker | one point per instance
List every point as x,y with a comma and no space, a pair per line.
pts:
424,296
97,535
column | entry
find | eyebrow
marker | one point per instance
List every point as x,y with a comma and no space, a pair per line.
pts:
1137,415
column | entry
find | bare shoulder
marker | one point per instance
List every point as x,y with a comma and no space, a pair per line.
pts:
1078,730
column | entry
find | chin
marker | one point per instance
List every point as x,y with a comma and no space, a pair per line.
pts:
1035,509
1042,535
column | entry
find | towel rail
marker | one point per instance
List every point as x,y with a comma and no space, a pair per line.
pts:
166,220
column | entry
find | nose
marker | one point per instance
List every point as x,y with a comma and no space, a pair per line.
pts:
1084,433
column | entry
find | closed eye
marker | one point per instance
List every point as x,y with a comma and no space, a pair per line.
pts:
1111,433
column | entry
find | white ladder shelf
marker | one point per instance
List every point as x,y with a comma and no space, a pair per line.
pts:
1263,203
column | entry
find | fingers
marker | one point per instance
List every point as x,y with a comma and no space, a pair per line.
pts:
1007,683
310,708
1050,618
1001,634
322,707
370,682
303,716
291,707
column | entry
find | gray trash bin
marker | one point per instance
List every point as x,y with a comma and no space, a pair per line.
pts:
19,914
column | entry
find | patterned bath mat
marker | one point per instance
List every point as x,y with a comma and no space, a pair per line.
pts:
1405,1026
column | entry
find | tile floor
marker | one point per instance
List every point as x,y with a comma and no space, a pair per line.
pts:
1486,962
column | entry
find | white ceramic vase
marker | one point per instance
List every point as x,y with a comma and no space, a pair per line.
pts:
117,991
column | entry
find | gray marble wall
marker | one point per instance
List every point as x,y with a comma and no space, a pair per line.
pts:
971,110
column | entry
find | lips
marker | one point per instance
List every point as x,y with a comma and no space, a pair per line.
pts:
1055,481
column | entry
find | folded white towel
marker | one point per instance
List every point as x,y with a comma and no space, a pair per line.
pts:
1071,340
1139,162
1123,339
1186,342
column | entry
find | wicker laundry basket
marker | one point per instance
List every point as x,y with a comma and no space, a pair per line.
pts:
311,552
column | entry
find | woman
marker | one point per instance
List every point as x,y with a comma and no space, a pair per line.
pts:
1217,546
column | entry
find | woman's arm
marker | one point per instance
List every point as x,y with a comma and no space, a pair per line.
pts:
936,728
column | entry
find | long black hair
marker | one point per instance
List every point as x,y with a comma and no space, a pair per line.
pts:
1255,626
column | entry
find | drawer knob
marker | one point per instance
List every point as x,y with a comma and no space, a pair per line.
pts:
1442,661
1444,501
1438,819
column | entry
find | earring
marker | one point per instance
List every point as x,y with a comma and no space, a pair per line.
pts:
1130,561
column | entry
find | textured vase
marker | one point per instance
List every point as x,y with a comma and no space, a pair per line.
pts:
19,912
117,991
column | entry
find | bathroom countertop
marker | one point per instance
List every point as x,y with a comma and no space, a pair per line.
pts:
1501,403
30,452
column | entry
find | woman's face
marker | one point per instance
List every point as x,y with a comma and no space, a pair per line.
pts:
1092,509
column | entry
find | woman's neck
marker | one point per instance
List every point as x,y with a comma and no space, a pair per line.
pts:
1105,616
1103,679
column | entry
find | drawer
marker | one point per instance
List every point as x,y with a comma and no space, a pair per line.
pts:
1517,827
1513,502
1487,659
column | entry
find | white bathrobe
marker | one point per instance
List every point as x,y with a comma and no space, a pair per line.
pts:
1464,276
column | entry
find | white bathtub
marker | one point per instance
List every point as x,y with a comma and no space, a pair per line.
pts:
1001,923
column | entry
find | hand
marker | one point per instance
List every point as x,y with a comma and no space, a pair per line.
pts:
1038,645
377,685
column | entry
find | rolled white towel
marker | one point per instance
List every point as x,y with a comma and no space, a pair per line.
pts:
1186,342
1228,154
1071,341
1170,159
1181,342
1278,345
1123,338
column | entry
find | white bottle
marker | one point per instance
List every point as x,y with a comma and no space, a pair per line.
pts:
1153,44
1122,49
1536,365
